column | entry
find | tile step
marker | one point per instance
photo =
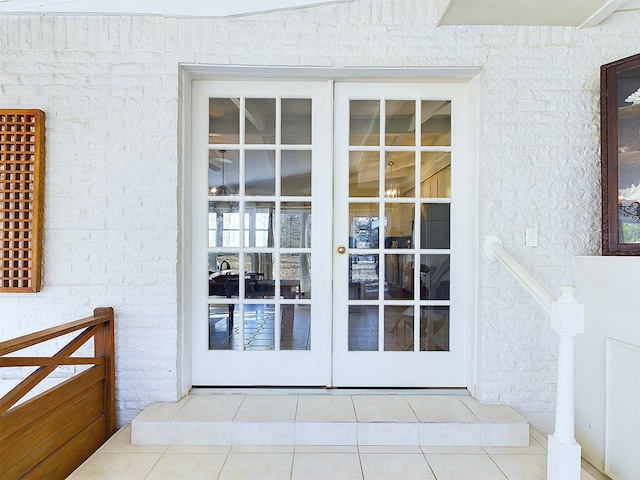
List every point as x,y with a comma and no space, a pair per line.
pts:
320,419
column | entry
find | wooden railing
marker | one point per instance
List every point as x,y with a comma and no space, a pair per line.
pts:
51,434
567,320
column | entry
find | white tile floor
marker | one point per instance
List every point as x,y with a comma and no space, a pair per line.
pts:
314,417
119,460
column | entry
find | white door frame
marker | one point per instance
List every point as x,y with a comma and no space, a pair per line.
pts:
191,72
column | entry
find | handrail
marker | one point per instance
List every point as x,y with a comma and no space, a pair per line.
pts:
18,343
103,350
52,433
494,249
567,320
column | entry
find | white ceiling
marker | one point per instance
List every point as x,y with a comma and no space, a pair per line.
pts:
578,13
186,8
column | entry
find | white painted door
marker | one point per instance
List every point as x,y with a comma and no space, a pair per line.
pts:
400,198
372,292
261,170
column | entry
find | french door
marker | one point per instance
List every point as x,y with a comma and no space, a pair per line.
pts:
327,232
400,181
261,229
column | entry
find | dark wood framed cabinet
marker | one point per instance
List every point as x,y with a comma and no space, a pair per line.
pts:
620,152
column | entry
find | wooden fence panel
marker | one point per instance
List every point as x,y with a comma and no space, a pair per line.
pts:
32,411
35,442
70,455
50,435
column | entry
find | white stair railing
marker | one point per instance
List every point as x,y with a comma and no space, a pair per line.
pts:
567,320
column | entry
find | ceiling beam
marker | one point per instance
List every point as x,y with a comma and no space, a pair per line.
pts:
576,13
603,12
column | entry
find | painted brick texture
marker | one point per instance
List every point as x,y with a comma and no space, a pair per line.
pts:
110,88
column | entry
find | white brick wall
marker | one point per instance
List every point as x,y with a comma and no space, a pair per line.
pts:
109,86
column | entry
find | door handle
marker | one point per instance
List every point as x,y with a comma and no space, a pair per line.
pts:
341,249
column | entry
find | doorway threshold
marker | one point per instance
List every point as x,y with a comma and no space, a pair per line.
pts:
268,390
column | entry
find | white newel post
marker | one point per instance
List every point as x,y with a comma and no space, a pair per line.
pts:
564,453
567,319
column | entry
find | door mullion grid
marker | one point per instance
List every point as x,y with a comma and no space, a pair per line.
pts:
417,260
416,221
382,239
382,263
242,206
276,223
416,299
435,148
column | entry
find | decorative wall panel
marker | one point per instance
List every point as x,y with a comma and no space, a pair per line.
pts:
21,199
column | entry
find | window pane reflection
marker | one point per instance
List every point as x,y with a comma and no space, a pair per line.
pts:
398,277
260,120
364,225
436,123
224,263
295,275
434,329
364,280
400,219
400,122
434,277
364,174
223,334
435,221
296,173
295,225
224,274
296,121
260,172
628,162
400,175
398,328
363,328
224,173
259,275
364,122
258,224
224,120
224,224
259,326
296,327
436,169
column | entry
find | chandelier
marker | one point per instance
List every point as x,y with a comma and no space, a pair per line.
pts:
221,190
221,207
391,189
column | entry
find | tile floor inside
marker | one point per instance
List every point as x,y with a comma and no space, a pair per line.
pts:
259,327
119,459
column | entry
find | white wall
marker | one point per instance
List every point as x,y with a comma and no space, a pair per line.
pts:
608,365
109,86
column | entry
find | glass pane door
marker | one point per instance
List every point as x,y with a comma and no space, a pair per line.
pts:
328,234
399,159
259,176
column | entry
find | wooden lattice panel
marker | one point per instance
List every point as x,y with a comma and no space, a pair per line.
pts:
21,194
